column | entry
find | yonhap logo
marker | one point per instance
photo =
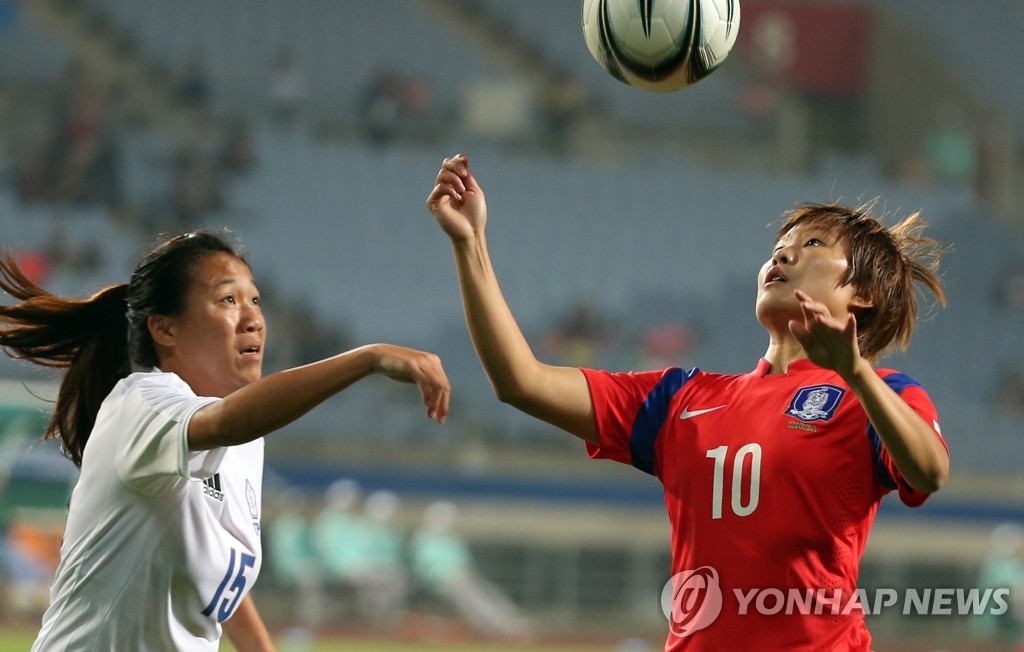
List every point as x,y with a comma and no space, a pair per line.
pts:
691,600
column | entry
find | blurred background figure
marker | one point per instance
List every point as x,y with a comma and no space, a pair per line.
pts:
194,90
1003,568
296,568
443,565
950,148
581,335
27,565
288,93
360,552
338,538
383,107
385,584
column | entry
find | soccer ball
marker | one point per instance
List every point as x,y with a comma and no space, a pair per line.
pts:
660,45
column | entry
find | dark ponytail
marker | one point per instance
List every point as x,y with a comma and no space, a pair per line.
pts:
102,339
87,337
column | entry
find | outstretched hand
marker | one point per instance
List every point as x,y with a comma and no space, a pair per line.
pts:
419,367
457,201
829,342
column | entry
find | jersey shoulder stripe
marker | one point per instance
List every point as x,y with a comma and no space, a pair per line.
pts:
652,416
897,382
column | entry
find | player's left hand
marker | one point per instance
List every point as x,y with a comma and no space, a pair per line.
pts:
829,342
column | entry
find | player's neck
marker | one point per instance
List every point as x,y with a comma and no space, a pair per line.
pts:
783,352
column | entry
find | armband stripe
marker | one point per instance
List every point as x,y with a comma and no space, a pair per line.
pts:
652,416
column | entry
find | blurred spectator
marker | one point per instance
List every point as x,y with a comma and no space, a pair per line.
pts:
197,188
577,341
563,103
64,255
361,555
84,151
950,150
288,93
338,535
443,565
199,168
1009,290
301,335
1010,391
193,89
1003,568
79,162
386,585
996,183
390,101
34,263
382,107
239,154
668,345
28,559
294,560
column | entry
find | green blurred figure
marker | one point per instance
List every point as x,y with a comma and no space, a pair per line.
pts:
1003,568
444,566
360,553
296,567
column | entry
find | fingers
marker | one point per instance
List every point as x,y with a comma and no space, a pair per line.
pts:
455,172
435,388
441,194
801,333
449,184
459,164
452,181
816,315
437,398
426,371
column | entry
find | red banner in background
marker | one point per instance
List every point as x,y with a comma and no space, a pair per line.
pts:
811,47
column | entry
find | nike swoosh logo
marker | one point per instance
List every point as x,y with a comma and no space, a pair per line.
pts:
688,414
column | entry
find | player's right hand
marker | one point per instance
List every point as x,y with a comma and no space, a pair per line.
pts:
457,201
424,369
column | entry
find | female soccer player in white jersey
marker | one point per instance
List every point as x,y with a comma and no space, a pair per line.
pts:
163,408
771,478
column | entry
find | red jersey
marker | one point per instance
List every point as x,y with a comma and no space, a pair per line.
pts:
771,484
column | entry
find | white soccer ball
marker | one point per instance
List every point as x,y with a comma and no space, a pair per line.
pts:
660,45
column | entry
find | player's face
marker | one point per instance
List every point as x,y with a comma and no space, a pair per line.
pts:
810,258
219,339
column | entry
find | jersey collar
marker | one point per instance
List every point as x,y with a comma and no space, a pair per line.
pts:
797,366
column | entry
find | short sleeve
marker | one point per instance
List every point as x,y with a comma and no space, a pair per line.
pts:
152,453
916,397
630,409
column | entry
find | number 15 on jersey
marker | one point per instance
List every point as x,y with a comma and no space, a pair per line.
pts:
234,591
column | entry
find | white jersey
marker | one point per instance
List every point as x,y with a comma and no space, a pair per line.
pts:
161,544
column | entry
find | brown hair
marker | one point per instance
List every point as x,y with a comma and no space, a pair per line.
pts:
884,264
98,340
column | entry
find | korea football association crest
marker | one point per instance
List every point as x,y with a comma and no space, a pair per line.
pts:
817,403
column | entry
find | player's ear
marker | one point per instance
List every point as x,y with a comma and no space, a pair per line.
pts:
859,302
161,329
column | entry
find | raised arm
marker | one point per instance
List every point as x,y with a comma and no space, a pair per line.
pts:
276,400
915,449
557,395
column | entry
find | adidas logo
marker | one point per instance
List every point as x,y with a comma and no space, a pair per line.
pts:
211,487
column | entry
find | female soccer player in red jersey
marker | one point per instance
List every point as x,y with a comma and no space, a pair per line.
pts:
772,478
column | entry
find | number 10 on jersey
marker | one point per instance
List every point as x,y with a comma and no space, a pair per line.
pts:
739,478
